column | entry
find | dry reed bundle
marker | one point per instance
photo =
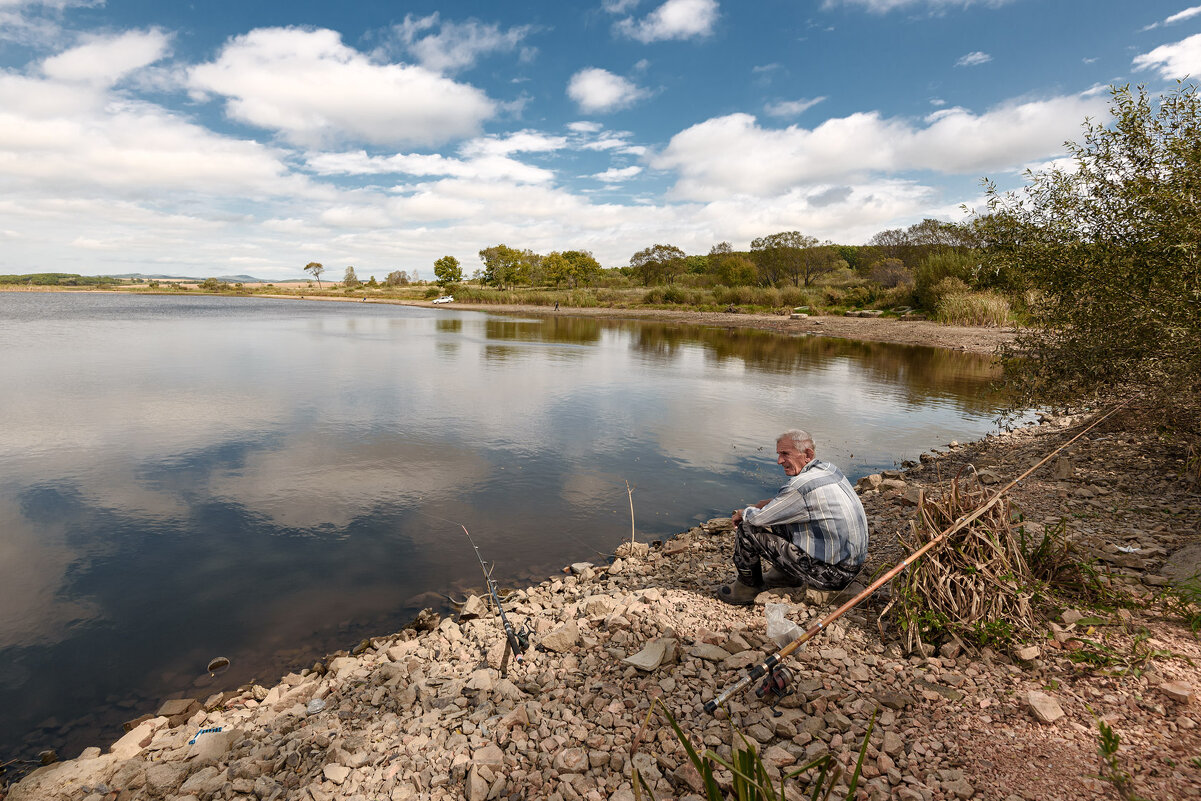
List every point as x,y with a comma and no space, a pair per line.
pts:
976,586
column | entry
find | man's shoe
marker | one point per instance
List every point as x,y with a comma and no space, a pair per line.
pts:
738,594
775,577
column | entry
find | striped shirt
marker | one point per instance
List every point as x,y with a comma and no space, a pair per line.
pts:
820,513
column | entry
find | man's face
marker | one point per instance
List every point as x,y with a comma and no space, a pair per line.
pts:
791,458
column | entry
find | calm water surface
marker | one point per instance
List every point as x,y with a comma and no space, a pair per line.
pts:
190,477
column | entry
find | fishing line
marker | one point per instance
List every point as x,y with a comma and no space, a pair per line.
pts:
460,524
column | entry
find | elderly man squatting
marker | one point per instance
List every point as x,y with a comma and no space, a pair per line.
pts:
813,532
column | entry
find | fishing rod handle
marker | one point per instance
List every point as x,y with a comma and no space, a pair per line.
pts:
756,672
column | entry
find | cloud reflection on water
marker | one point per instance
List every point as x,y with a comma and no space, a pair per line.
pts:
245,474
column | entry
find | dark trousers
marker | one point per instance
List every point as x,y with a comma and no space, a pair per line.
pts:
752,543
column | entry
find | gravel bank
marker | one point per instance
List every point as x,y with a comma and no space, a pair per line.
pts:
424,713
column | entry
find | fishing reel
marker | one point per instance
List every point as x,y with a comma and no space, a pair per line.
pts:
776,687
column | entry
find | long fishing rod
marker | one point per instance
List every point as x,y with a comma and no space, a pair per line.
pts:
770,665
516,642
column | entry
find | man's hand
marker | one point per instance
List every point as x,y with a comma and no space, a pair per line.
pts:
736,517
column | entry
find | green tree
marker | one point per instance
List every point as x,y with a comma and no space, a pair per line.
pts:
372,282
554,268
793,255
448,271
507,267
730,268
658,264
581,267
315,269
1111,248
350,279
890,272
397,278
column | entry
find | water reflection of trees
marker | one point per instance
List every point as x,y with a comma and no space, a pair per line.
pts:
559,330
453,325
920,371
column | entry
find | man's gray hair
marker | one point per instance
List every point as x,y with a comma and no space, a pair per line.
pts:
799,438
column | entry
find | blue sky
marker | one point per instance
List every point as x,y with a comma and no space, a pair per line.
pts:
225,137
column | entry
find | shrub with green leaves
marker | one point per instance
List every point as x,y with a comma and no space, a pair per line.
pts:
1113,245
972,308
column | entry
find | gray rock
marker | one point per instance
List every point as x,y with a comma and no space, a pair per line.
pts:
474,606
869,482
211,746
480,680
988,477
649,658
477,786
894,700
959,787
561,639
1044,707
1062,469
1028,653
490,756
633,550
165,777
708,652
178,706
205,781
336,773
1179,691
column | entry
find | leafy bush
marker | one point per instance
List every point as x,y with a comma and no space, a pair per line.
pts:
889,273
936,268
794,296
1113,244
972,308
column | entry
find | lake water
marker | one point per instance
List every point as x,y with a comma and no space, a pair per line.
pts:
189,477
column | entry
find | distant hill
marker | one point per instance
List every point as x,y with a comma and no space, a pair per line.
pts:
233,279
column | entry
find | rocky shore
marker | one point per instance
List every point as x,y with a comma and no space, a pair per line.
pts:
426,714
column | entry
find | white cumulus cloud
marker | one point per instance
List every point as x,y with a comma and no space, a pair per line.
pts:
1173,60
1179,16
311,89
884,6
792,108
734,154
616,175
484,168
973,59
516,142
456,45
675,19
104,60
598,91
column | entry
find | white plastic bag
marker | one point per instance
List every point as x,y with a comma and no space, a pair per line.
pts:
780,629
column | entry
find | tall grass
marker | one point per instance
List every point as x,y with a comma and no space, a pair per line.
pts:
973,308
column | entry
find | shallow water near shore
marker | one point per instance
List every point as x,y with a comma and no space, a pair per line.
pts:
189,477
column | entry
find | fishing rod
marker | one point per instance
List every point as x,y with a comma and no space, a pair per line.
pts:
516,641
771,666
